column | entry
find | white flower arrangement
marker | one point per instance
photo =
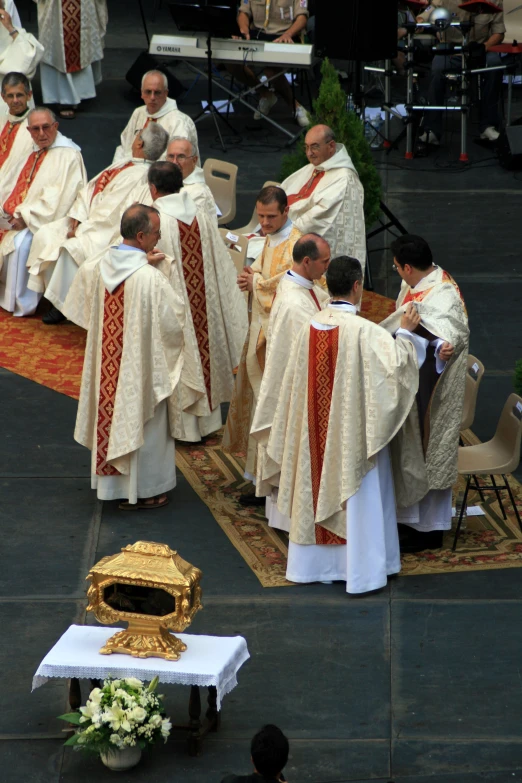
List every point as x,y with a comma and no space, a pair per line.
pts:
123,713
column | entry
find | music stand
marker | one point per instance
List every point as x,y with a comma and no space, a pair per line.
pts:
215,18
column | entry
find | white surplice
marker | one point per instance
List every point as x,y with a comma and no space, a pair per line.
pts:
200,192
174,121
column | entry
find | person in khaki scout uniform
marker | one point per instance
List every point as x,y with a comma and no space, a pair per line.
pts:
487,29
279,21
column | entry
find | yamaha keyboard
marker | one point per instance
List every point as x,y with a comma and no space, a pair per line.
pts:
194,47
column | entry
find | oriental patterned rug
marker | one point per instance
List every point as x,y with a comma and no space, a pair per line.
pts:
53,357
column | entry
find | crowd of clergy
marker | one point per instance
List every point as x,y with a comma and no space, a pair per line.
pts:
349,429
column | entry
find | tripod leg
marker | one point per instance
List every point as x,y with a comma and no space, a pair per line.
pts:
368,280
213,112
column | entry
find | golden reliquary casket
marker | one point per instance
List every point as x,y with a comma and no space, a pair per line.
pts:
152,588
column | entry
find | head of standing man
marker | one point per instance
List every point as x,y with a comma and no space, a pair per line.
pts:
320,144
311,256
272,209
154,91
16,93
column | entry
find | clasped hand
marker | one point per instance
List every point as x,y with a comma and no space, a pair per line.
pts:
245,280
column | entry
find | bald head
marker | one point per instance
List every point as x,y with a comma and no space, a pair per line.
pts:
154,90
320,144
43,127
311,256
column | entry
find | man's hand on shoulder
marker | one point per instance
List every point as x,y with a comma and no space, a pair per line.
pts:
410,319
154,256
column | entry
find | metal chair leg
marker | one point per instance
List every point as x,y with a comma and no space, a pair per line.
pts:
479,490
515,509
459,523
499,498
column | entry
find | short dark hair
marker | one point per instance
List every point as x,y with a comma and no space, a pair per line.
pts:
269,750
413,250
273,193
342,274
166,176
306,246
135,219
13,78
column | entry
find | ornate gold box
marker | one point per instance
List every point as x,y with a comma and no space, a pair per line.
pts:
152,588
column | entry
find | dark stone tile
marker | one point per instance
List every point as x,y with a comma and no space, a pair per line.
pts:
49,524
37,435
309,762
29,630
456,762
31,761
450,666
502,584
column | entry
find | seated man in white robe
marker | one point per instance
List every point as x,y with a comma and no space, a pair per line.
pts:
15,142
37,191
19,50
129,408
348,388
298,299
73,34
326,197
158,108
425,511
92,224
205,276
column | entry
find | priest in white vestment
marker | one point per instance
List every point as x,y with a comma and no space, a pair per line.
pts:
19,50
158,108
42,188
205,276
260,283
92,224
425,507
299,298
347,390
128,413
15,141
183,153
326,197
73,34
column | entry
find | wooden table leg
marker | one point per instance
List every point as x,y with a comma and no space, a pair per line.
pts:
194,738
75,693
213,715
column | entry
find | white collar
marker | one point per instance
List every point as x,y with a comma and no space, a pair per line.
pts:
60,141
178,205
346,307
196,176
423,279
120,263
302,281
17,118
281,235
168,106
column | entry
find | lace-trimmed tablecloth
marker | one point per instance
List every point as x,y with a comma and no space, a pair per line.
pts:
208,660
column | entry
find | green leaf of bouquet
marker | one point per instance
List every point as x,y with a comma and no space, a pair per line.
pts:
71,717
72,740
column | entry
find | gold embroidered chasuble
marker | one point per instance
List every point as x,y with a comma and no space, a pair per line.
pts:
293,307
149,322
374,387
443,314
268,268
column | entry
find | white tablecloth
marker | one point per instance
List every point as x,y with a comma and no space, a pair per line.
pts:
208,660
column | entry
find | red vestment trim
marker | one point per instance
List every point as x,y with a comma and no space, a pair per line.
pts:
316,300
23,183
111,353
308,188
72,34
194,274
322,361
7,139
106,178
413,296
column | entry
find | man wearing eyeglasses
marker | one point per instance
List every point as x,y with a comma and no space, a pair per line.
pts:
40,189
326,197
158,108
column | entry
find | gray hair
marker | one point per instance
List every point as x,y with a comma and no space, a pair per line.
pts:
135,219
155,140
45,109
329,135
156,73
14,78
193,150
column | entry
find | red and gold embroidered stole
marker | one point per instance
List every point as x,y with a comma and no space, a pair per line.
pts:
7,139
322,361
106,177
23,183
72,34
194,274
413,296
149,119
308,188
112,350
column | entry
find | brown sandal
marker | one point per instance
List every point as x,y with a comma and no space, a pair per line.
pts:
156,503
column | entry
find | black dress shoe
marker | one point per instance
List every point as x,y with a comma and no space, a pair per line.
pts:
418,542
53,317
251,500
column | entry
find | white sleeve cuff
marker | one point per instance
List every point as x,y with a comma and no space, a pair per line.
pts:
420,344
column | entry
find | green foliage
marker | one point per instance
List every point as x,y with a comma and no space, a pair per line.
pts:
71,717
517,381
330,109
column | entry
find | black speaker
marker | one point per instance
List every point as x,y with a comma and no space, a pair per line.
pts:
147,62
362,30
509,147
